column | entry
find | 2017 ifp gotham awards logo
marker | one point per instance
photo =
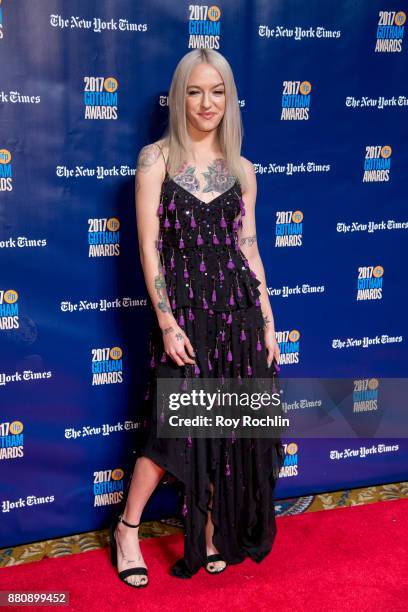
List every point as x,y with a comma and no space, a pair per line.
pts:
370,283
291,461
296,100
289,346
103,237
204,26
365,394
390,31
108,487
11,440
9,315
289,228
100,97
377,164
6,172
107,365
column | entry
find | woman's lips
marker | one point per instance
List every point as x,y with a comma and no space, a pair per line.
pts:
207,115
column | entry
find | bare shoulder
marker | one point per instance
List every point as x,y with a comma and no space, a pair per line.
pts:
150,159
249,170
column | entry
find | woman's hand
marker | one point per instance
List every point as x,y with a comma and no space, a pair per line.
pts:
271,345
176,345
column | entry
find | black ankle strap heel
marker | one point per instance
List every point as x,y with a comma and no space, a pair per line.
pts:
139,571
122,520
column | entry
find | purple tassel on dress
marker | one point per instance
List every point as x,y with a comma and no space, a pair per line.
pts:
231,300
163,358
257,302
160,210
242,336
181,321
230,264
181,243
185,273
235,225
177,224
239,292
191,316
167,222
209,363
227,469
229,320
221,273
202,266
259,345
227,239
215,239
172,205
223,223
216,353
174,303
193,223
196,370
190,292
229,355
249,369
214,296
205,303
189,442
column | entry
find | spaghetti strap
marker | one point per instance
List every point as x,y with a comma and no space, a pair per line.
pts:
165,162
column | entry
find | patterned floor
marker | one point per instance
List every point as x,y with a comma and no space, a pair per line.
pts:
99,539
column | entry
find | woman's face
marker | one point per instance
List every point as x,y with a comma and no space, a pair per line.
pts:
205,98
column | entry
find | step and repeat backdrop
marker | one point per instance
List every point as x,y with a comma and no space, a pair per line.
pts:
323,94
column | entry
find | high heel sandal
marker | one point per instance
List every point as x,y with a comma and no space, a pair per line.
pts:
131,571
213,558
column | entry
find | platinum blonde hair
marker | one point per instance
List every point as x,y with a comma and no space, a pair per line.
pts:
230,128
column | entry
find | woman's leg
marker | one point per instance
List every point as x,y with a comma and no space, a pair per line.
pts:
146,476
214,566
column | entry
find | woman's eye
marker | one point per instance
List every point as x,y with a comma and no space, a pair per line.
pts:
219,92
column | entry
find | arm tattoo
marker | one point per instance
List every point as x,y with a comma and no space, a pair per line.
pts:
167,330
179,336
147,157
160,285
267,320
249,239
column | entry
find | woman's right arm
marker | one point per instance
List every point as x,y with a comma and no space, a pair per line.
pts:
148,181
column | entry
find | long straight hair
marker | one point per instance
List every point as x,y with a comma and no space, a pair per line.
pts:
230,129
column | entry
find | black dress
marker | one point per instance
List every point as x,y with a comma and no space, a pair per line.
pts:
215,300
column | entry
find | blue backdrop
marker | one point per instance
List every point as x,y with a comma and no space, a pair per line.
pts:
322,89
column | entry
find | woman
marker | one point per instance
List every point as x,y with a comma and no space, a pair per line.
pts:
195,207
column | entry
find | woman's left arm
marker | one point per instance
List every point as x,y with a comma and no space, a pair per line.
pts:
249,247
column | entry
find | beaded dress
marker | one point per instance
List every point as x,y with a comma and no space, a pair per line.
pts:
214,297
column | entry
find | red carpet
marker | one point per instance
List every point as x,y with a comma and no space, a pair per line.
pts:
322,561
